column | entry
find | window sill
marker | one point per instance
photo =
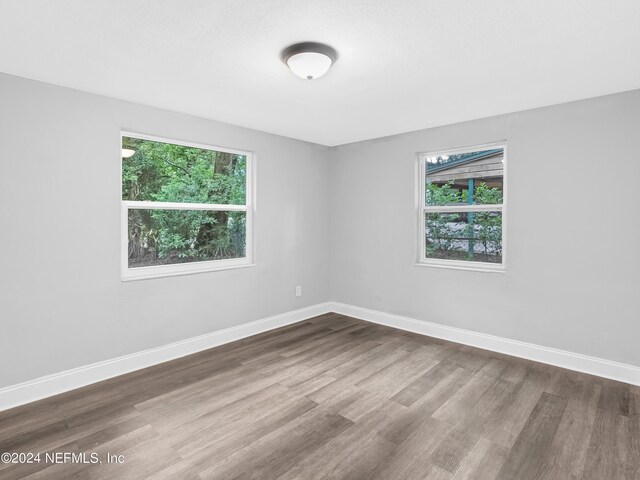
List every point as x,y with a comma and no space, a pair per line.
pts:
143,273
460,265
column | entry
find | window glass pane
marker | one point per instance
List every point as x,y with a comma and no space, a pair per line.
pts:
164,237
163,172
470,236
465,179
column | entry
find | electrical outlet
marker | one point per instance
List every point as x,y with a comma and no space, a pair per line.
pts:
299,291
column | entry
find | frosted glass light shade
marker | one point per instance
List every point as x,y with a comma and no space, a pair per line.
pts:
127,152
309,65
309,60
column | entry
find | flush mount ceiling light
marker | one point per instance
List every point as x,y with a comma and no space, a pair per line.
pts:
127,153
309,60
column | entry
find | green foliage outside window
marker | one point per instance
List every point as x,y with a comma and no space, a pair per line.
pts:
442,194
454,235
162,172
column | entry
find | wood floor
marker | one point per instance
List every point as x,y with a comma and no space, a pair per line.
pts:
336,398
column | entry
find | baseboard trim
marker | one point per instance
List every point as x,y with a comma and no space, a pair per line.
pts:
47,386
551,356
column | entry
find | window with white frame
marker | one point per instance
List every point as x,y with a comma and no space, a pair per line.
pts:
186,208
462,208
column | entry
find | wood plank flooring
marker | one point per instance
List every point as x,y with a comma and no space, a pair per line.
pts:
335,398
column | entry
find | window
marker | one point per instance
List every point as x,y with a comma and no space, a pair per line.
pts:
462,208
186,208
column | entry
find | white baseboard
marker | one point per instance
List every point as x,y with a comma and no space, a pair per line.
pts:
560,358
54,384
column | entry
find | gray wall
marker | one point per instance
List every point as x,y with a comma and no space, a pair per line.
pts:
573,232
62,302
572,278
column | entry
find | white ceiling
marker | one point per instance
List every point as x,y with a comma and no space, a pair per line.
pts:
403,65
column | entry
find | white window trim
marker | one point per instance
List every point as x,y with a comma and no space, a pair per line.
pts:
422,209
158,271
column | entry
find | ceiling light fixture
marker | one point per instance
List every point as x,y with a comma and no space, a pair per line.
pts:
309,60
127,153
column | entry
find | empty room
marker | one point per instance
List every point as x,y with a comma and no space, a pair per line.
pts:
305,240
